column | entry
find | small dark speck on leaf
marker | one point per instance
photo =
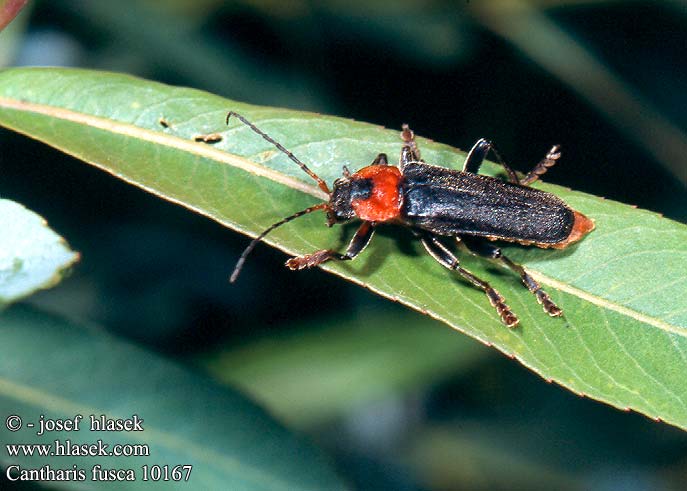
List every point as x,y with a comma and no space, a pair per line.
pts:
210,139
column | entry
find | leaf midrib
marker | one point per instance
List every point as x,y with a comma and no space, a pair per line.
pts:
602,302
190,146
205,151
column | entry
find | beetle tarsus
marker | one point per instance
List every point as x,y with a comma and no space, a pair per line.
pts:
448,260
499,303
410,151
311,260
549,307
479,152
545,164
485,249
256,241
542,297
359,241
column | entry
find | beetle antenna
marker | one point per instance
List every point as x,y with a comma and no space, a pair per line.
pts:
322,185
251,246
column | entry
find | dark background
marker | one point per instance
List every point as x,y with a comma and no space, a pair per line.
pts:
447,69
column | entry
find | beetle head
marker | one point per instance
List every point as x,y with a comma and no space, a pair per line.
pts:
346,190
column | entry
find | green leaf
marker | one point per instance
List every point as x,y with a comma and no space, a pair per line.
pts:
32,256
623,340
55,368
317,373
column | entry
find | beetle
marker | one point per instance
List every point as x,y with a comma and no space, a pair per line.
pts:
435,202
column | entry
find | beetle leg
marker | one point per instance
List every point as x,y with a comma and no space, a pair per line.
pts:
410,151
406,157
543,165
358,243
485,249
444,257
477,155
380,160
